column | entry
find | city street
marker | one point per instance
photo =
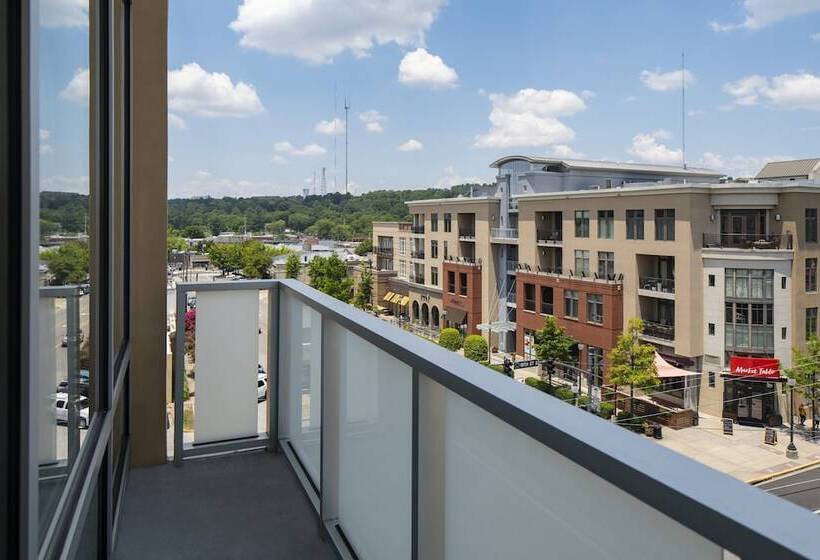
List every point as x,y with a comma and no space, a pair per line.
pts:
802,488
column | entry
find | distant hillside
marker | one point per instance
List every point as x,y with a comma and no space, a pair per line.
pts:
335,216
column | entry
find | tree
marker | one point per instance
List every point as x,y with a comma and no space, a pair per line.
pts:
552,344
276,226
805,371
227,257
329,275
68,263
632,362
364,293
364,247
175,243
450,339
195,231
256,259
475,348
292,266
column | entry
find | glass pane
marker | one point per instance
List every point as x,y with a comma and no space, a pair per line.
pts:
65,396
301,381
88,547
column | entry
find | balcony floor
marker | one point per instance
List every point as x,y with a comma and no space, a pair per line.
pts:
248,505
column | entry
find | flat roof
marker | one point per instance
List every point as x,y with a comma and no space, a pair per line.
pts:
454,200
613,166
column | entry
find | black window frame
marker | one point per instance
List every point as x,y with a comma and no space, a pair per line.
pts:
448,222
606,218
810,229
811,274
529,297
462,283
451,281
572,300
582,224
635,223
664,224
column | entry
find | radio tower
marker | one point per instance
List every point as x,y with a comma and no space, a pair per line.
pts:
347,109
324,181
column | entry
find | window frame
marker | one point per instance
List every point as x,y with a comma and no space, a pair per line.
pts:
606,224
582,224
635,224
665,224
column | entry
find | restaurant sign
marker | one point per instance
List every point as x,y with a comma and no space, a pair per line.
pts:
762,368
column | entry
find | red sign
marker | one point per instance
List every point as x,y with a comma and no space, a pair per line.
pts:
765,368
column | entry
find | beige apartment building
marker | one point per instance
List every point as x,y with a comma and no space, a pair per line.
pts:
715,269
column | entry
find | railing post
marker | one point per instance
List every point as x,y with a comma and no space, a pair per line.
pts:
178,376
73,375
273,369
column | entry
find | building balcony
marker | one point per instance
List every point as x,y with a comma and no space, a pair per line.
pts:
415,279
652,286
466,234
384,252
504,235
418,255
367,435
660,331
749,338
512,267
417,229
470,261
549,238
758,241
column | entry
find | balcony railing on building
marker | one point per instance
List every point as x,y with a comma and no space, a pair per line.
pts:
748,240
404,448
405,226
749,337
417,228
466,234
416,254
512,267
659,330
504,233
656,284
384,251
513,205
472,261
415,278
547,238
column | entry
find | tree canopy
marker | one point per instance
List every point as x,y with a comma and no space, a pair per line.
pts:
329,275
364,291
551,342
631,361
292,266
251,257
68,263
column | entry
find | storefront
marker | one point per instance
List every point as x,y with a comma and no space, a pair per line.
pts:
750,391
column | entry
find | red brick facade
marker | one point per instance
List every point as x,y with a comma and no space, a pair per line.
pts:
580,328
452,297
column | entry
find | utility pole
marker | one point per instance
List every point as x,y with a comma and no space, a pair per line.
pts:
347,109
683,106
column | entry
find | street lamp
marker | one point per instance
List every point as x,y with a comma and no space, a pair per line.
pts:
791,449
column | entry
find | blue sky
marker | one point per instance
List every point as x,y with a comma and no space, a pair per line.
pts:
251,80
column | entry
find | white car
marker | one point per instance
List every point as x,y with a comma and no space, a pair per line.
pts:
61,410
261,387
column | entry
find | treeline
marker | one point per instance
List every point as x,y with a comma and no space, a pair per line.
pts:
333,216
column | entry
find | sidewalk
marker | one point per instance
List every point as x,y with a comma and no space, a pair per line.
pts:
742,455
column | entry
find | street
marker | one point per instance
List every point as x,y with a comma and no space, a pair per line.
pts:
802,488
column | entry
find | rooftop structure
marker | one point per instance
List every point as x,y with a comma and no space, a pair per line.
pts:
792,170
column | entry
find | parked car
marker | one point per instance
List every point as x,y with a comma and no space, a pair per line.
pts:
261,387
61,409
80,337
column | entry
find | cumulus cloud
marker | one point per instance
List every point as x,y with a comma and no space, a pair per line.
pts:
647,146
737,166
450,177
318,30
64,13
77,88
420,68
588,94
332,127
223,186
412,145
192,89
666,81
45,147
564,151
64,183
307,150
530,118
175,121
762,13
787,91
373,120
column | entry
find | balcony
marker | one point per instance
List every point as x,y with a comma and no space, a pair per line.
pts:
749,338
512,267
653,286
754,241
384,252
419,255
504,235
549,238
659,331
512,205
471,261
417,228
387,433
466,234
415,278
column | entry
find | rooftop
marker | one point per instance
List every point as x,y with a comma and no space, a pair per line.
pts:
791,168
571,164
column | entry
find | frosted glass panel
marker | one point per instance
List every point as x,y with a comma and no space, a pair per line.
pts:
301,381
227,348
375,447
505,495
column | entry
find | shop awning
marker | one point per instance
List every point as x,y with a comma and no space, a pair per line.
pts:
404,301
396,298
388,296
665,369
497,327
455,315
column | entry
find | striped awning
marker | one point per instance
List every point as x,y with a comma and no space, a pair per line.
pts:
388,296
404,301
396,298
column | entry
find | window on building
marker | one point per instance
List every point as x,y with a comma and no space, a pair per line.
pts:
451,281
448,222
546,300
711,329
634,224
742,283
402,245
462,283
403,269
446,253
711,379
811,322
582,223
581,262
606,264
434,276
782,282
433,249
595,357
711,280
529,297
571,303
434,222
665,224
811,275
811,225
606,224
783,333
595,308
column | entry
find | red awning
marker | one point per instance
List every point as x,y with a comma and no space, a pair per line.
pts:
665,369
762,368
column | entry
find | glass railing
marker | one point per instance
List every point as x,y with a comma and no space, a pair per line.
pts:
405,449
504,233
416,254
549,237
747,240
512,266
659,330
417,229
655,284
749,337
466,233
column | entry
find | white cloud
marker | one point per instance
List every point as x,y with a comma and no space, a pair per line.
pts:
203,174
530,118
646,146
373,120
666,81
279,160
411,145
762,13
45,147
695,112
65,184
630,98
77,88
175,121
450,178
588,94
787,91
64,13
307,150
564,151
192,89
222,186
737,166
420,68
331,128
318,30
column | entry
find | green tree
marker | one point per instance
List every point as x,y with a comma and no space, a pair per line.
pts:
256,259
806,370
329,275
475,348
292,266
195,231
632,362
68,263
227,257
552,342
364,292
364,247
175,242
276,226
450,339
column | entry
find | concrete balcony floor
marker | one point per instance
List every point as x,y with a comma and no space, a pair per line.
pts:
247,505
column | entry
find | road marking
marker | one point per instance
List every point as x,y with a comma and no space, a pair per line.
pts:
792,484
